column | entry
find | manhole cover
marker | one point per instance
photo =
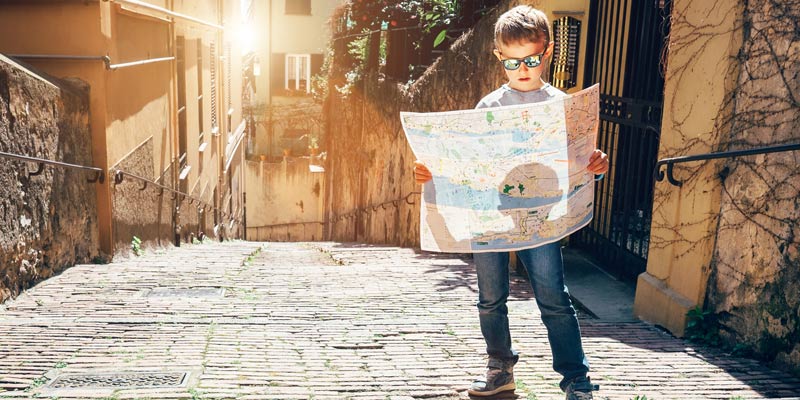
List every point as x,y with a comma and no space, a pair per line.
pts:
190,292
126,380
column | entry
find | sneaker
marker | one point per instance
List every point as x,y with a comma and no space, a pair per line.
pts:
499,378
580,389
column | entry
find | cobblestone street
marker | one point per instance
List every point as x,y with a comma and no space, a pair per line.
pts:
245,320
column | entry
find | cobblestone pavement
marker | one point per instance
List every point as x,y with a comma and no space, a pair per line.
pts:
318,321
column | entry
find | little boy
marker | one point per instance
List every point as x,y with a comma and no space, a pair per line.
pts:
522,45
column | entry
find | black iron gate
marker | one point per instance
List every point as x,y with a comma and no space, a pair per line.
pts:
624,54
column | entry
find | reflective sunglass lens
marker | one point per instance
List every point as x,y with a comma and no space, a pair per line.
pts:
511,64
531,61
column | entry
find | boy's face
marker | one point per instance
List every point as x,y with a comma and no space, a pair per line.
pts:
524,78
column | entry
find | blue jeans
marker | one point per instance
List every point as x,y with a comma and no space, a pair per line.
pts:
546,272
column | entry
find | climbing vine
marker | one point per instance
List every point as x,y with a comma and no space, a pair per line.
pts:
756,234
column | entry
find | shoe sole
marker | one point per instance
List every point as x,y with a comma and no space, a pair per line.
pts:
504,388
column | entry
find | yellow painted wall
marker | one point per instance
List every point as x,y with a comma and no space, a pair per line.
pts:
138,106
704,41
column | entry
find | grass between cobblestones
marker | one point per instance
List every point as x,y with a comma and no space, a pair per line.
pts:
293,324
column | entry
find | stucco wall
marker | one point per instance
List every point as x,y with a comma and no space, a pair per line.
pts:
48,222
703,42
727,239
755,280
284,200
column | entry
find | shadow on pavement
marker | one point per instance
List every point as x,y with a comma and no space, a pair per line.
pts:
660,346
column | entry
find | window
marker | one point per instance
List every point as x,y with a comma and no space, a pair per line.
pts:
229,86
298,7
298,72
200,69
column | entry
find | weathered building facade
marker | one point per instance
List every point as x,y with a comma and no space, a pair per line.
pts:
163,110
165,81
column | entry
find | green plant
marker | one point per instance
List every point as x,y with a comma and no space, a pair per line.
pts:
136,246
702,327
440,15
362,18
195,394
638,397
37,382
100,259
524,387
740,350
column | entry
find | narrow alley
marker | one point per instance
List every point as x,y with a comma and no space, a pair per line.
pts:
318,321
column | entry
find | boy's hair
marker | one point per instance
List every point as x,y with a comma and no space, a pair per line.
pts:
521,24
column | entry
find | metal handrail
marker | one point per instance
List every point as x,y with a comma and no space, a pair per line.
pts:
105,59
99,177
119,177
658,174
354,213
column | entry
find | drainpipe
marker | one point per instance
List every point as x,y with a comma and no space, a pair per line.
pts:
169,12
270,132
220,124
173,116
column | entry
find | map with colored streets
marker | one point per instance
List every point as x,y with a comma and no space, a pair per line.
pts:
505,178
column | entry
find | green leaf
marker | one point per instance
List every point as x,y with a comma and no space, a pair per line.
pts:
440,38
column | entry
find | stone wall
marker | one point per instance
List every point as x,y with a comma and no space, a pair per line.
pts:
370,179
755,281
48,221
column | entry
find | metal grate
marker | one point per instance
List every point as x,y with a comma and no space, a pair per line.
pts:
187,292
125,380
624,50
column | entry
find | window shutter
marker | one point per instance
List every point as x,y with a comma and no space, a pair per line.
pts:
212,50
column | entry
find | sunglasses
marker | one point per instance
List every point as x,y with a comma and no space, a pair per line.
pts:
531,61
